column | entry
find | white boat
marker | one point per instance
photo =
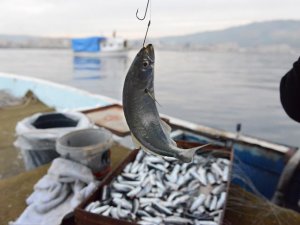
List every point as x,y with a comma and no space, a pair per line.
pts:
100,46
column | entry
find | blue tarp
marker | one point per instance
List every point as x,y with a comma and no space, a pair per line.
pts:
90,44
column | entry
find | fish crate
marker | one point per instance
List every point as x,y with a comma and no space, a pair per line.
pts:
83,217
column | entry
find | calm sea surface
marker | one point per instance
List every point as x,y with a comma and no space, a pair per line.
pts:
209,88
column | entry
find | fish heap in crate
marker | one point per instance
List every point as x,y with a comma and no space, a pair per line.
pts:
154,190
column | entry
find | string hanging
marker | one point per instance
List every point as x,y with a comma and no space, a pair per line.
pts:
149,23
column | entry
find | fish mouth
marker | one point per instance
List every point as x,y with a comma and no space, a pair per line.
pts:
147,51
150,51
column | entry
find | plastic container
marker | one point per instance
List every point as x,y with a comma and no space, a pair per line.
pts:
90,147
37,135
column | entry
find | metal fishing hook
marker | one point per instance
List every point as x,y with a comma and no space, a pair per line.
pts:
137,11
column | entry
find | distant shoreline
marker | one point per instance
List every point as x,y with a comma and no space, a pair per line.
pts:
278,36
222,49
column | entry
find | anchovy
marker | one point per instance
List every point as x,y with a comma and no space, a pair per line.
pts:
124,203
213,203
218,189
130,176
105,193
106,213
114,213
134,192
221,200
92,206
173,195
198,202
122,187
148,131
136,205
177,220
162,209
143,213
100,209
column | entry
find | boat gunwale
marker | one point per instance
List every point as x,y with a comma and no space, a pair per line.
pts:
175,122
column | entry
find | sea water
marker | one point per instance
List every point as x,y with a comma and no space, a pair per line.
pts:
216,89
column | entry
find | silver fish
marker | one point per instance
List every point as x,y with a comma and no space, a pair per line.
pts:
147,197
148,130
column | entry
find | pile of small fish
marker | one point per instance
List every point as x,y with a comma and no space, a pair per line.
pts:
153,190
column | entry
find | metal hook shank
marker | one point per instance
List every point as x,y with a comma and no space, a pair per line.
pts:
137,11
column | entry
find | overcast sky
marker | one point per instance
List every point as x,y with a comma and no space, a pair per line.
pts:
169,17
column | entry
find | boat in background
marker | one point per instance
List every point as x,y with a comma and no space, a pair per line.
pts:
102,46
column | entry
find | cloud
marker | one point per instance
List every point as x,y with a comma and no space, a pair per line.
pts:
91,17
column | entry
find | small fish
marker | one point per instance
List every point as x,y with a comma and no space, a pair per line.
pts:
134,192
105,193
114,213
122,187
123,202
148,131
143,213
152,196
221,200
100,209
162,209
177,220
197,202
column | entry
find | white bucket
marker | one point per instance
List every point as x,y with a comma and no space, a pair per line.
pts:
37,135
89,147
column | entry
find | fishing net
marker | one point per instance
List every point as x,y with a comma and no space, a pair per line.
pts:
253,182
251,207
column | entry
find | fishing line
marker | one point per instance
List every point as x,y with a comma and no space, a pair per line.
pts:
146,33
149,23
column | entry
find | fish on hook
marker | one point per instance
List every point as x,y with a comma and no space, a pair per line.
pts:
148,131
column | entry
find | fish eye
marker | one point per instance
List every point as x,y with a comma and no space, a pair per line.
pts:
145,63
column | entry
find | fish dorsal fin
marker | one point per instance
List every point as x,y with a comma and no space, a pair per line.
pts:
167,129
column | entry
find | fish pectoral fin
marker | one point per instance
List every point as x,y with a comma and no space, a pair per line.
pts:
136,143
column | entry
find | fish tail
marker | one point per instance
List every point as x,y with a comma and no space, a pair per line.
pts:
187,155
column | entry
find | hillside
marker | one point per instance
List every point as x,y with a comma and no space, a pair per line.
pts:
23,41
280,34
